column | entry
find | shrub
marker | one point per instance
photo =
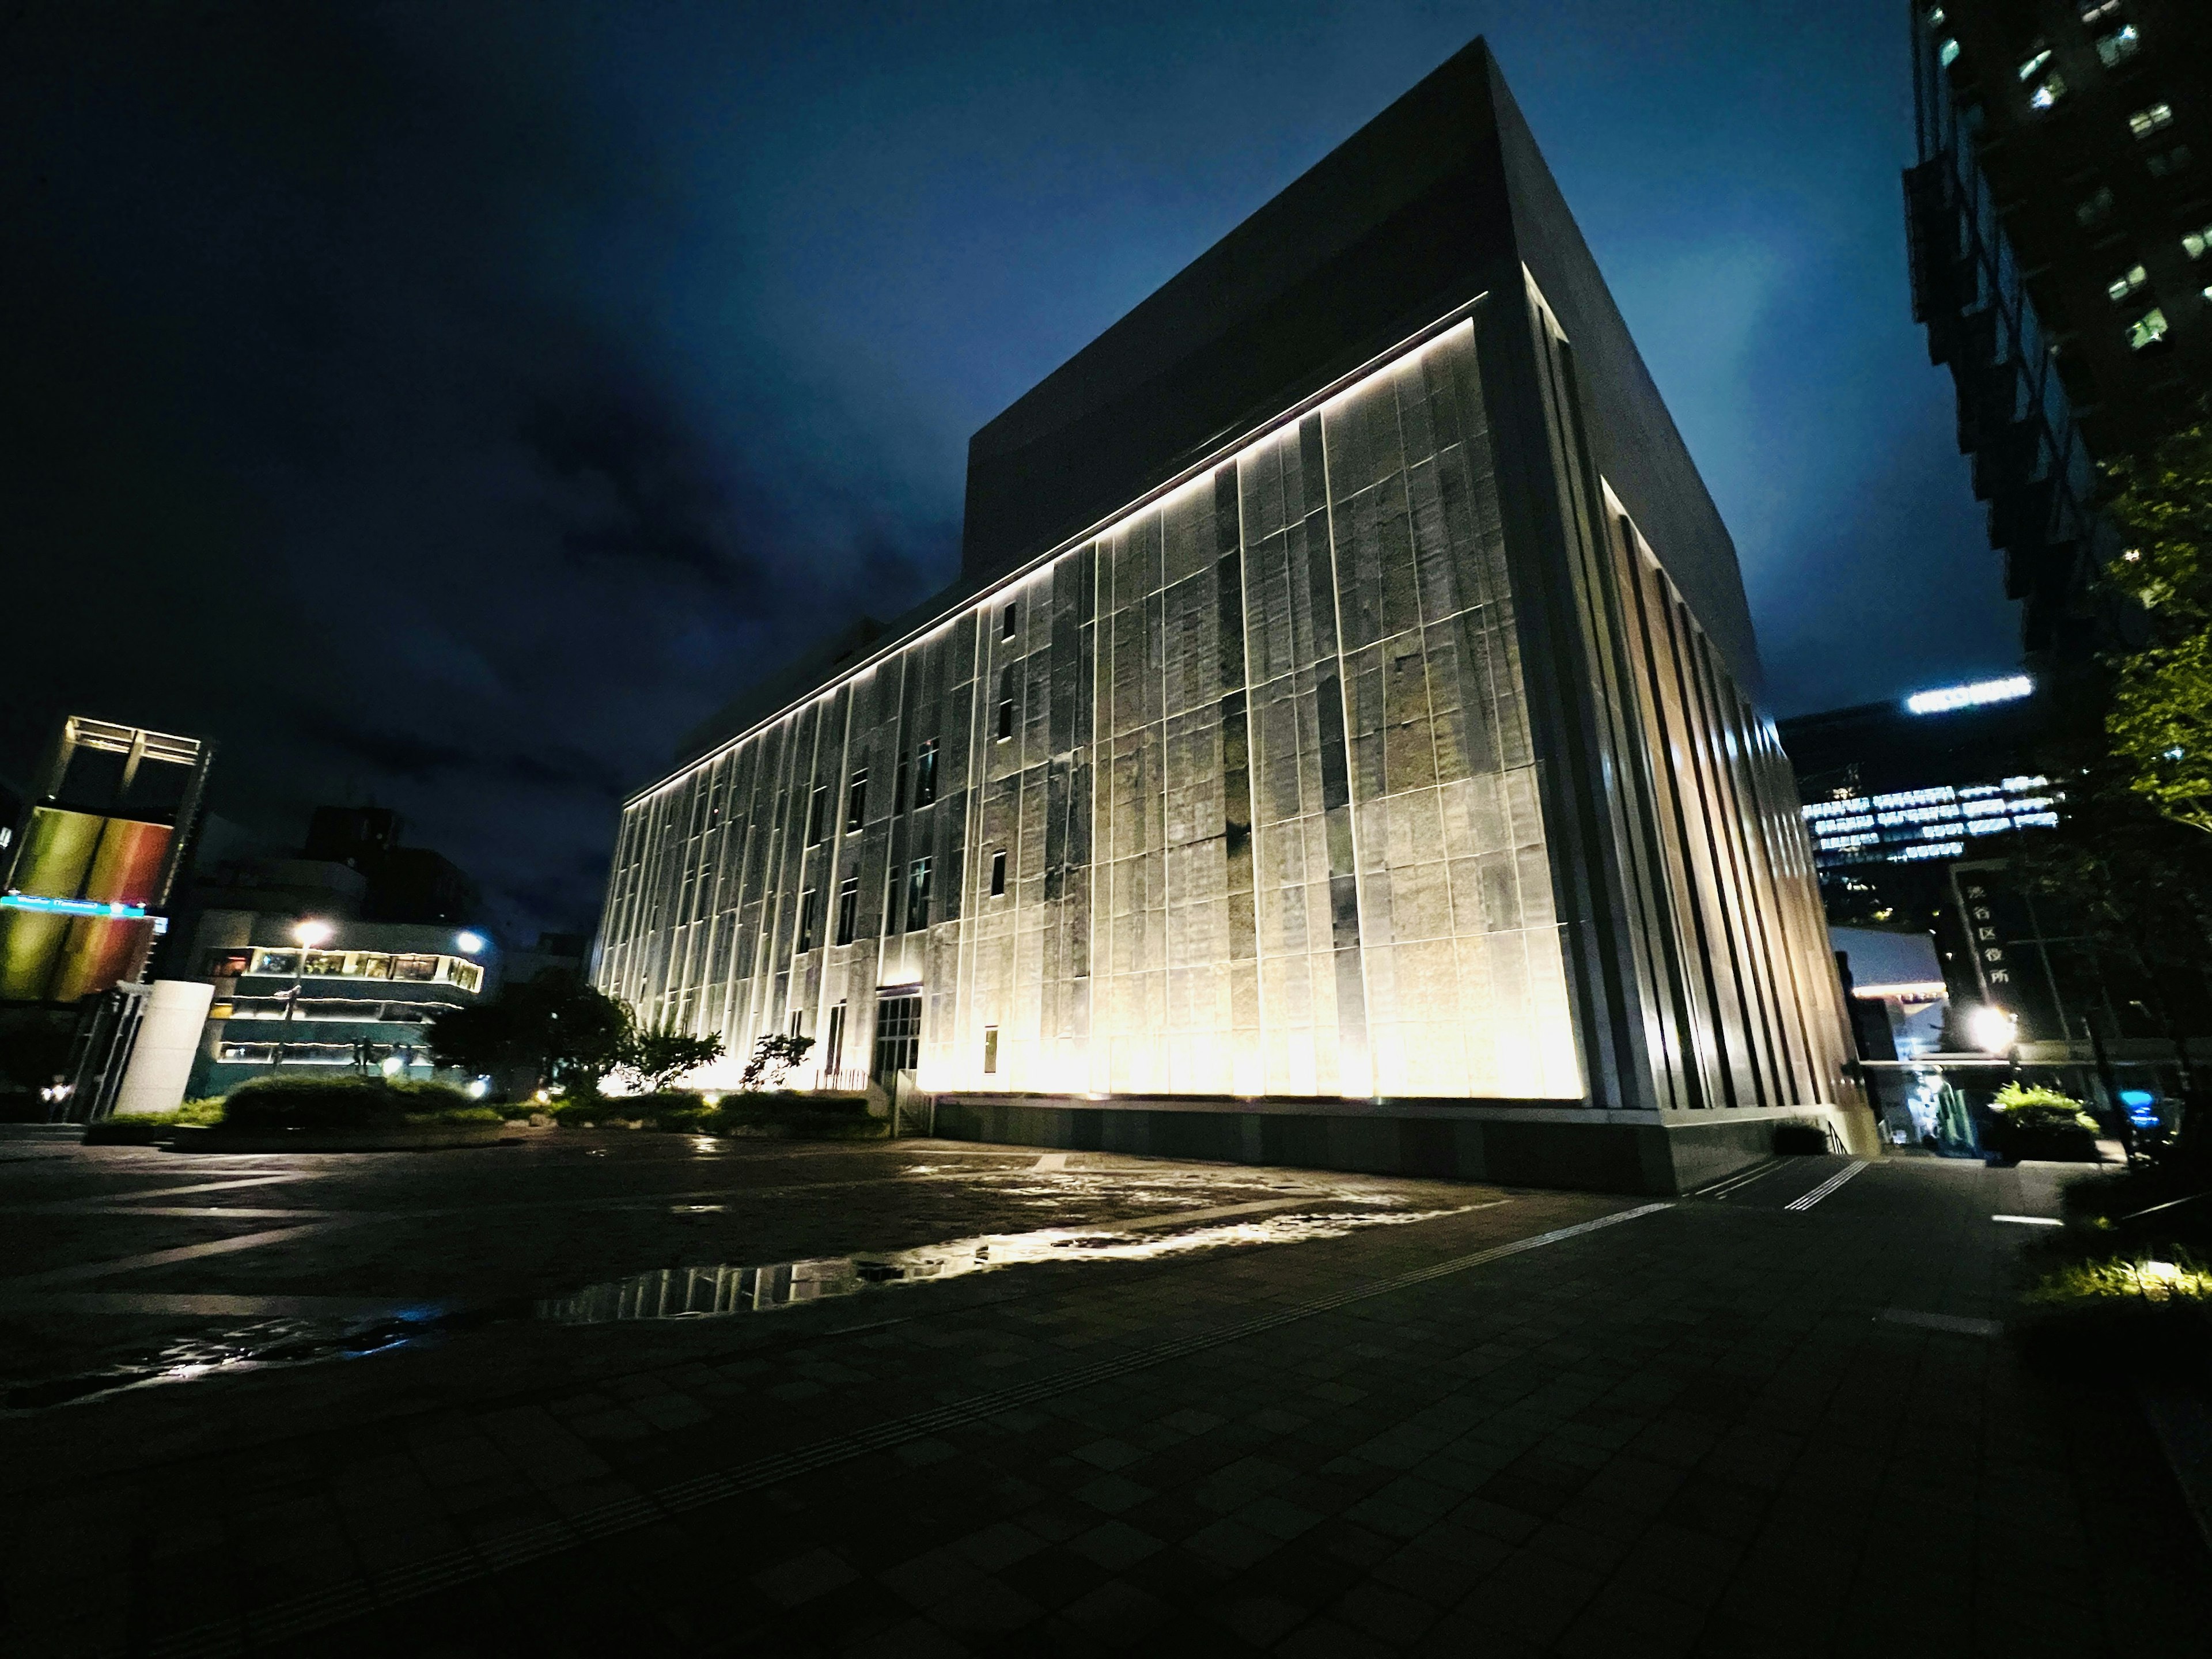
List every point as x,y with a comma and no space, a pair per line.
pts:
2178,1277
2035,1110
292,1102
1801,1138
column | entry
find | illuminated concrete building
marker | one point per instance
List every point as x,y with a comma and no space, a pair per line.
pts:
1339,747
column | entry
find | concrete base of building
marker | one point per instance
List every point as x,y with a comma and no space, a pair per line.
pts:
1564,1145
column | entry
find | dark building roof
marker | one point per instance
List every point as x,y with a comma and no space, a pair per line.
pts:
1439,199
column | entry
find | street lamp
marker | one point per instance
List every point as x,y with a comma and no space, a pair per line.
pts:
470,943
310,932
1992,1030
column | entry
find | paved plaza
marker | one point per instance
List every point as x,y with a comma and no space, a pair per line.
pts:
637,1393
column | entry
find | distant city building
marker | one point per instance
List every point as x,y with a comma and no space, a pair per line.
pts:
1921,780
1918,809
1341,745
2060,217
402,883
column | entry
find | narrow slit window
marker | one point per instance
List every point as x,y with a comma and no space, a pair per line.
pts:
833,1044
849,908
1006,729
925,774
990,1049
818,815
917,896
1010,619
856,799
806,909
998,873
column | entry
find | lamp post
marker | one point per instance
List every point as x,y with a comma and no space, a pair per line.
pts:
309,933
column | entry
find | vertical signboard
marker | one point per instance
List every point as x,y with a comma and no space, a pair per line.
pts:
94,859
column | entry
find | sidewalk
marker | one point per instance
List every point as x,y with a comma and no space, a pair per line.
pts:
1722,1427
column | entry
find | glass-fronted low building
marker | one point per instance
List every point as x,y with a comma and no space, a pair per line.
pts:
358,1001
1341,745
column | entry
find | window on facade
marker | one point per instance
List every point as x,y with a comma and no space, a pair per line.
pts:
832,1041
2157,117
2118,46
418,968
2148,329
849,908
1009,618
2048,91
1006,728
2095,208
998,873
2126,283
1947,54
990,1049
2167,162
925,774
856,799
2096,11
917,896
817,814
2028,68
2193,243
799,1022
227,965
806,903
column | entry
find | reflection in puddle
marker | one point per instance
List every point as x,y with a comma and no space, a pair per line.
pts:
220,1353
710,1292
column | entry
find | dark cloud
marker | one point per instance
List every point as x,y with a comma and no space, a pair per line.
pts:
454,404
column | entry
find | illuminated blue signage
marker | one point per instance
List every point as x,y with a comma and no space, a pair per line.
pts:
69,907
1944,699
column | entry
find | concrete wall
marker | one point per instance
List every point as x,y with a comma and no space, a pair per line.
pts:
1642,1152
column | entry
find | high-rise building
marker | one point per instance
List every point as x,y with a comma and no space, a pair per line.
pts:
1341,744
2060,219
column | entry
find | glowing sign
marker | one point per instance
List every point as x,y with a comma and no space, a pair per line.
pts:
1944,699
69,907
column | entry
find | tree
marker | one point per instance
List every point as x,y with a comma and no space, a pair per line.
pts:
2158,717
774,1055
566,1033
656,1056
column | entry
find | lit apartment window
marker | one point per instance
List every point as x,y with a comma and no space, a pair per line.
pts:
2148,329
2194,242
925,774
856,799
1935,17
998,874
849,908
2053,89
2167,162
1006,728
2094,11
2094,208
1008,618
1947,54
917,896
2118,46
2028,68
2126,283
2155,118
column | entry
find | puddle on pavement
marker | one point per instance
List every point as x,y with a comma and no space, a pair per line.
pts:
258,1347
721,1290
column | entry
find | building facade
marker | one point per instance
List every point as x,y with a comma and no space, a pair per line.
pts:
2060,220
1346,707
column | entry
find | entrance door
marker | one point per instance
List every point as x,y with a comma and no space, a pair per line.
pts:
898,1034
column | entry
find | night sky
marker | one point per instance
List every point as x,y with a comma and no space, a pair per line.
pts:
450,405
